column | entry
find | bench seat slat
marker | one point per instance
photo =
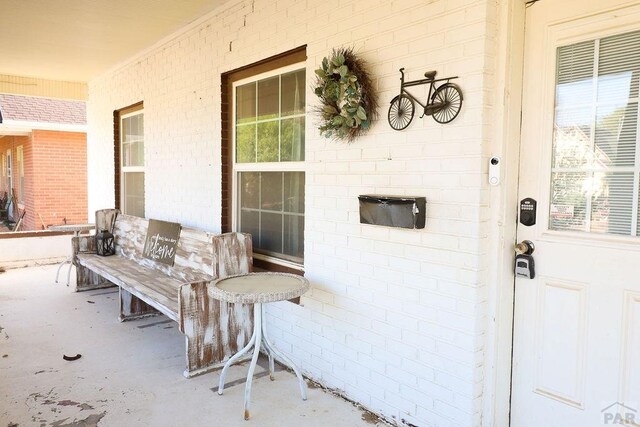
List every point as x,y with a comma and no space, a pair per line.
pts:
149,285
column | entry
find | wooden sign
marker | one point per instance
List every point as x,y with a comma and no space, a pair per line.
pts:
162,241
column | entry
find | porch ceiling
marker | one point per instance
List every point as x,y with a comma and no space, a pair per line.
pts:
75,40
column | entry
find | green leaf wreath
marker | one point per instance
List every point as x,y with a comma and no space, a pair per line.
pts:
348,103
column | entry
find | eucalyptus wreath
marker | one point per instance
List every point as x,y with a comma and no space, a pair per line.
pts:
348,103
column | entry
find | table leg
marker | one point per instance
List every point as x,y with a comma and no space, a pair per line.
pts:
257,319
76,233
233,359
272,351
267,347
69,272
68,260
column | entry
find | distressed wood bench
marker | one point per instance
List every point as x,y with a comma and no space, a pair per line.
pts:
214,331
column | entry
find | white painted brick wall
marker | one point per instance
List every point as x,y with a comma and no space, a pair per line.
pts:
395,318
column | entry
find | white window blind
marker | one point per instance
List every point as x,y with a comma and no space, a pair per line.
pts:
595,180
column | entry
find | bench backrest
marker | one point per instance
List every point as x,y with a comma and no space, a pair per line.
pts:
199,255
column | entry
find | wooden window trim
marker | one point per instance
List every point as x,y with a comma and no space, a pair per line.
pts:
227,79
117,115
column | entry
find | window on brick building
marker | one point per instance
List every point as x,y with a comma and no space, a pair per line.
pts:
265,161
9,176
129,162
20,172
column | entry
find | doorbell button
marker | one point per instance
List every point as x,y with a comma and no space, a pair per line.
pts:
494,170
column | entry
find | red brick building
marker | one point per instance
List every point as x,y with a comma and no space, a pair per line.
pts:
43,159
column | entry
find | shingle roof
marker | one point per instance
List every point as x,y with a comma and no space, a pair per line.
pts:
44,110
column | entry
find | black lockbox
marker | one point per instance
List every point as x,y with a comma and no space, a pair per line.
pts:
393,211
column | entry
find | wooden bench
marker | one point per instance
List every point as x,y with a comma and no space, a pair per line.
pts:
214,331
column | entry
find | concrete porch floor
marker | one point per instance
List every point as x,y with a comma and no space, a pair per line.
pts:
130,374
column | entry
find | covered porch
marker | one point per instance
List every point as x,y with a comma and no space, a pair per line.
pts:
210,114
129,373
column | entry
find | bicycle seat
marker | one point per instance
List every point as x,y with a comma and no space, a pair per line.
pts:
430,74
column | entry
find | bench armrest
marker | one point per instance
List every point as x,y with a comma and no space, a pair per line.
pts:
232,254
83,245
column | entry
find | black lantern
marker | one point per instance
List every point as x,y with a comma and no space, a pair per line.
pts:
105,244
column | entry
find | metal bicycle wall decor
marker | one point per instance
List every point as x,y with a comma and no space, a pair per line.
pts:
443,102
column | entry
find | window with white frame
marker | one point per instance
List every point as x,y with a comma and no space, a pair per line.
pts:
595,181
20,165
268,167
9,176
132,163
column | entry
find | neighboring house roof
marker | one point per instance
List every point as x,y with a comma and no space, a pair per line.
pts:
19,108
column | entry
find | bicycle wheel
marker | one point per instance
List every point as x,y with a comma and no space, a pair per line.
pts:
400,112
447,102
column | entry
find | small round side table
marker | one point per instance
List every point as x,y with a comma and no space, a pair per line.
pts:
77,229
258,289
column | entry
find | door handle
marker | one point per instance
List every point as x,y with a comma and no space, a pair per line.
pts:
525,265
526,247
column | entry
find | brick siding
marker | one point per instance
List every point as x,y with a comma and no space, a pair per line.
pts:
55,176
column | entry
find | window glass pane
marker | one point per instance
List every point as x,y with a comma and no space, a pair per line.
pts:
268,98
261,193
569,201
611,207
292,139
133,154
246,143
572,138
250,190
616,128
246,103
126,131
293,93
271,186
595,138
250,223
294,236
575,62
133,140
268,143
294,192
619,62
134,193
271,232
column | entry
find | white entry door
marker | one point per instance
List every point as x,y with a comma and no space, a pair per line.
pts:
576,358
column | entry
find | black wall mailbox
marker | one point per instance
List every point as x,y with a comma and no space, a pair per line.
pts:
393,211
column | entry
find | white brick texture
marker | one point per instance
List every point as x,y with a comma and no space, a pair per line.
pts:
395,318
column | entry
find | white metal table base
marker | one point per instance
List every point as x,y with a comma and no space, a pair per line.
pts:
258,338
70,262
77,229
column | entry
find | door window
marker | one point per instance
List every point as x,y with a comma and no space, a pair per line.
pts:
595,178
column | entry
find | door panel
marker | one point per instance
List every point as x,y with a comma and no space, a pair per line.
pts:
577,324
560,341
